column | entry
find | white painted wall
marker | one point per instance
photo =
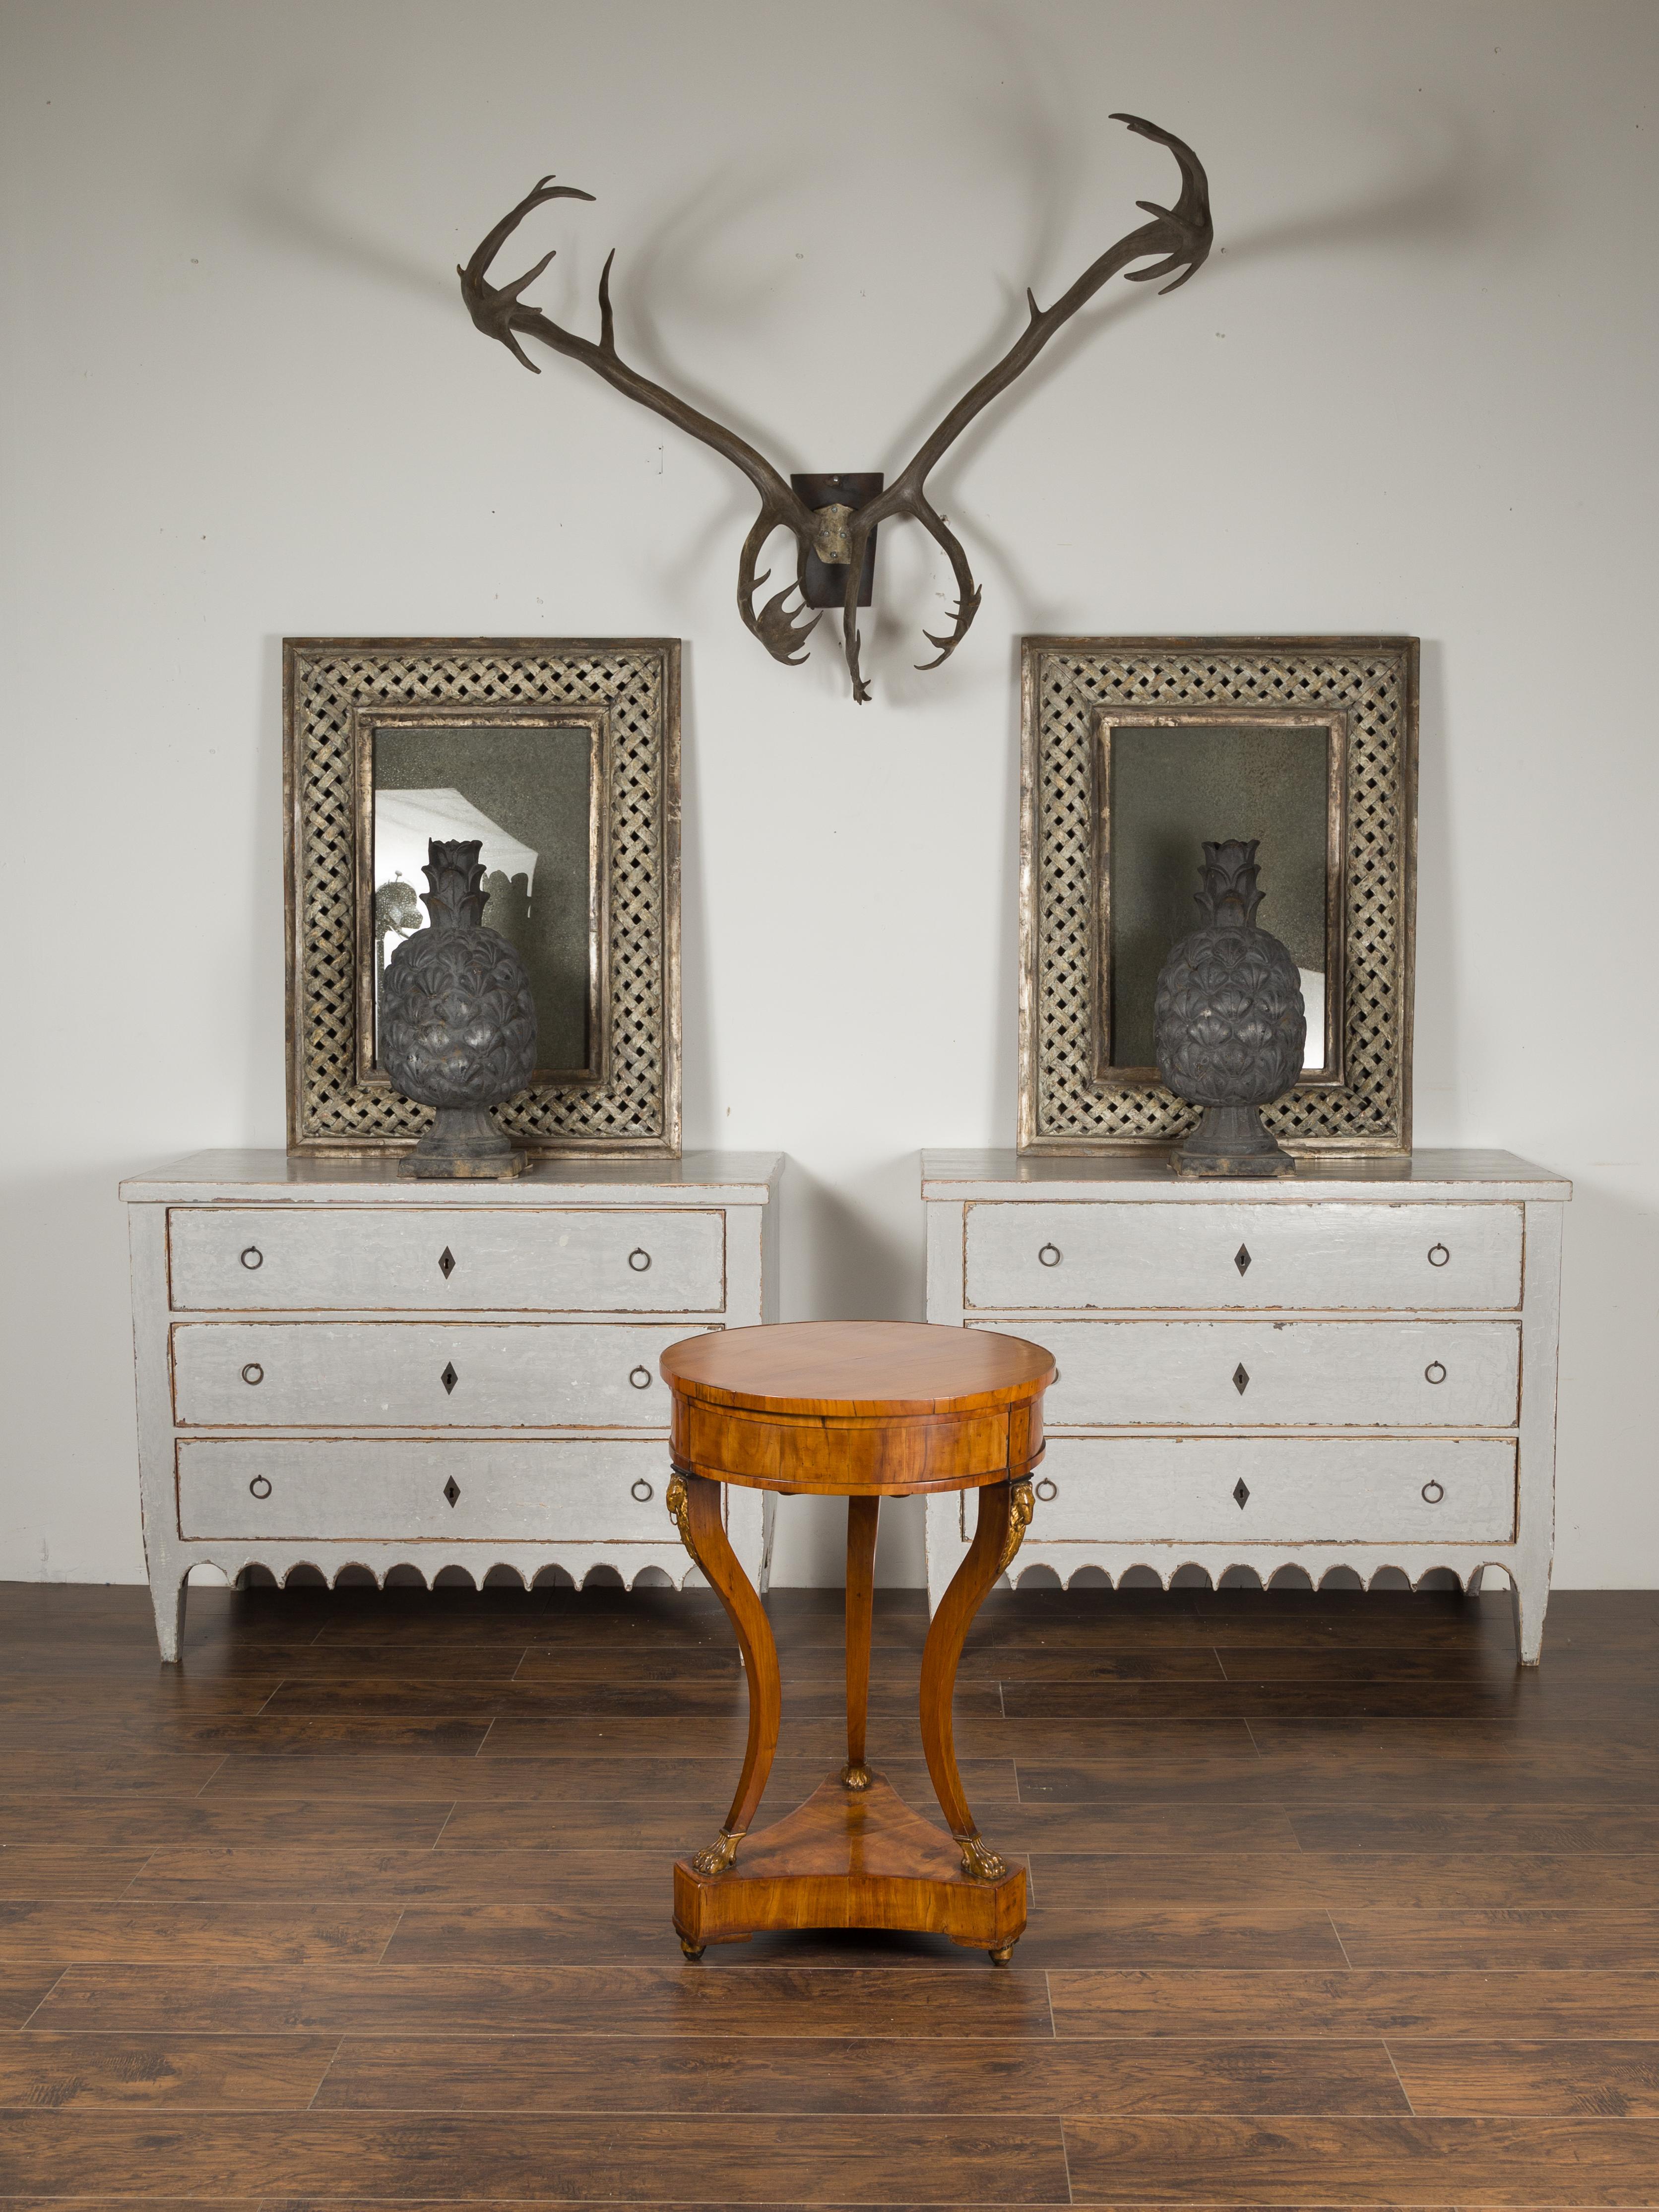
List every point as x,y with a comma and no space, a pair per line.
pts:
1414,392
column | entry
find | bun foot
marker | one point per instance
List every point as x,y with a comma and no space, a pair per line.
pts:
1000,1958
692,1950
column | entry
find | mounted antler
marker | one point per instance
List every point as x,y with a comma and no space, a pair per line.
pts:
1181,235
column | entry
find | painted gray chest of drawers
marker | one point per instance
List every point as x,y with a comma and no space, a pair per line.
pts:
1354,1368
337,1369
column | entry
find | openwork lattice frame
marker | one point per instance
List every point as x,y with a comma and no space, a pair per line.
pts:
1069,1100
635,683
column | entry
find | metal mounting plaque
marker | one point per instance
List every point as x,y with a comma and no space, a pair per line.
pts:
823,584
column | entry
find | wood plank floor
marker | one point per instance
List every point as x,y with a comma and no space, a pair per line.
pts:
367,1904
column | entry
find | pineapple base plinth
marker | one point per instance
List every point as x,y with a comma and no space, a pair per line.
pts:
441,1169
1232,1164
1230,1141
464,1142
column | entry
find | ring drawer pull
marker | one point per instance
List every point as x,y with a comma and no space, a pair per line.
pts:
1433,1492
639,1258
1444,1256
643,1491
260,1487
640,1378
1047,1488
252,1257
253,1372
1048,1255
1434,1372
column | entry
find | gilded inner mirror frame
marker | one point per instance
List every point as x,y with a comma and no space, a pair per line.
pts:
372,724
1113,728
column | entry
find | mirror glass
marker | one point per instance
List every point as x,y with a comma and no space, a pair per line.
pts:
1171,788
526,792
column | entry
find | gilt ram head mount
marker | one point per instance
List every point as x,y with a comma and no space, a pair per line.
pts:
1180,239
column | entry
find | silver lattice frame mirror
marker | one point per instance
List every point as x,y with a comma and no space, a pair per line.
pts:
561,757
1136,751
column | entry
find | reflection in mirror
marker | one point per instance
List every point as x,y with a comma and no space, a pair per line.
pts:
526,792
1170,786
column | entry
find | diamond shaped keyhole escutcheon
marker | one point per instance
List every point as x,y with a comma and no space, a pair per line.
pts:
446,1263
1240,1378
452,1490
1242,1259
1241,1493
449,1378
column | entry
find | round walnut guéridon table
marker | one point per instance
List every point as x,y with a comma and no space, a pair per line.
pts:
864,1411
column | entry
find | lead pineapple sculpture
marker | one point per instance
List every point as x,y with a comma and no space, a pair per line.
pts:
458,1022
1231,1026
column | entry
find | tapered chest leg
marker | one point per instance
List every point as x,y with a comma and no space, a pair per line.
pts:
1005,1509
694,1503
169,1600
1528,1600
862,1514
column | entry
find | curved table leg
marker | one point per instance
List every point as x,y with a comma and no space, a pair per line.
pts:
862,1514
694,1503
1004,1511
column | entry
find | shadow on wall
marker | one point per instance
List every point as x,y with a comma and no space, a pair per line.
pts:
280,196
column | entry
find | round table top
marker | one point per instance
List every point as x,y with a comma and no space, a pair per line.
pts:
857,1368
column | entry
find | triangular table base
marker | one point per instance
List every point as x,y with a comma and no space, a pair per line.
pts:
850,1859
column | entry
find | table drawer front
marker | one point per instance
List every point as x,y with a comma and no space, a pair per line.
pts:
400,1375
344,1490
843,1456
391,1259
1299,1374
1296,1490
1324,1257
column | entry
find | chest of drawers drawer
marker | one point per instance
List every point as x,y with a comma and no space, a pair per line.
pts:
465,1375
1335,1258
1275,1490
1299,1374
346,1490
480,1258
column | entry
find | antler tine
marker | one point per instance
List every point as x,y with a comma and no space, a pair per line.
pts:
779,630
1190,215
542,190
968,591
500,313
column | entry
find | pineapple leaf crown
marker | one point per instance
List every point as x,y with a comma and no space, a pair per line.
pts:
1231,895
457,899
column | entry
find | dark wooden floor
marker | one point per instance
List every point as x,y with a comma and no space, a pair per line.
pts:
369,1902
